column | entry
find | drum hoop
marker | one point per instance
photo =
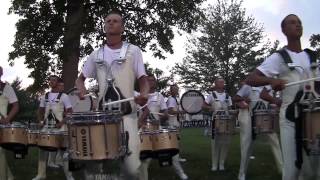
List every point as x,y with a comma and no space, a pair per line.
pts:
201,95
94,122
165,130
13,126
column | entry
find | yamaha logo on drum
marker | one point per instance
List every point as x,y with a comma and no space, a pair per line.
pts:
190,94
83,133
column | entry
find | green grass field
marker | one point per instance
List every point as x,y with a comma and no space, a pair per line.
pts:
195,148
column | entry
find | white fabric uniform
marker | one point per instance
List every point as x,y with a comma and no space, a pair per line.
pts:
125,73
173,102
220,143
7,97
57,108
253,93
157,103
275,66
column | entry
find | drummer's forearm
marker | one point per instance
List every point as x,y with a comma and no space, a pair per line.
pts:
14,110
143,85
257,78
40,115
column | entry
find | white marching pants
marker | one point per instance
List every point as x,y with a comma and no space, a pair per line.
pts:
246,143
42,165
311,165
145,165
219,150
5,173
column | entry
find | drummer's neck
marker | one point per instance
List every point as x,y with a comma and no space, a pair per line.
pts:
220,90
294,45
54,90
152,90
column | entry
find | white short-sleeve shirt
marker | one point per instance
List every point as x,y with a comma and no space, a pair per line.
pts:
109,55
53,96
220,96
272,65
155,99
172,102
9,93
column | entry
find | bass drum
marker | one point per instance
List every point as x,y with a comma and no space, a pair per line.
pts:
79,105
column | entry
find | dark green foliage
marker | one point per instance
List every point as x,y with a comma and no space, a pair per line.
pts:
53,35
28,103
315,43
230,44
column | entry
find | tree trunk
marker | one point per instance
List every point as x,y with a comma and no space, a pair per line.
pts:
71,46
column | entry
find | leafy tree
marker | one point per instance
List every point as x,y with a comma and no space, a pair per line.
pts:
53,35
28,103
315,42
230,44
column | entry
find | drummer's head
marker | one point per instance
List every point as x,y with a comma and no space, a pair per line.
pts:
53,81
219,83
174,89
114,23
152,81
291,26
60,85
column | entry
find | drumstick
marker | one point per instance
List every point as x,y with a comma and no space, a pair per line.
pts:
161,114
119,101
302,81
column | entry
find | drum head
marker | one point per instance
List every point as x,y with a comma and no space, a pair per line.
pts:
192,101
77,104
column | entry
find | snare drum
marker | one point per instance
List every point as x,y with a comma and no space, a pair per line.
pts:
51,139
166,140
152,125
146,147
13,136
264,121
96,135
33,134
311,129
224,123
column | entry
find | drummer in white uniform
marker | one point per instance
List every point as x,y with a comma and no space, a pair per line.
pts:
7,97
175,110
50,114
218,100
295,162
246,99
158,111
123,61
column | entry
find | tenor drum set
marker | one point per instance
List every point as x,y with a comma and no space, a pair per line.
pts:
157,142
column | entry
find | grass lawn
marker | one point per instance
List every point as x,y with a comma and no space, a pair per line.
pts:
195,148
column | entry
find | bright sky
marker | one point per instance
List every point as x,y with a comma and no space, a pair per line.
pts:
268,12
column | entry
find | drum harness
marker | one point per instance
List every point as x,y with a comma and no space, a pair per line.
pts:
51,119
213,126
108,91
258,105
294,111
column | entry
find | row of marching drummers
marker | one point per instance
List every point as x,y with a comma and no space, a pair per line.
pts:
93,135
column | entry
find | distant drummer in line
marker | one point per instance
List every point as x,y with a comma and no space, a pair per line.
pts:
7,96
50,114
218,100
175,110
157,110
247,99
